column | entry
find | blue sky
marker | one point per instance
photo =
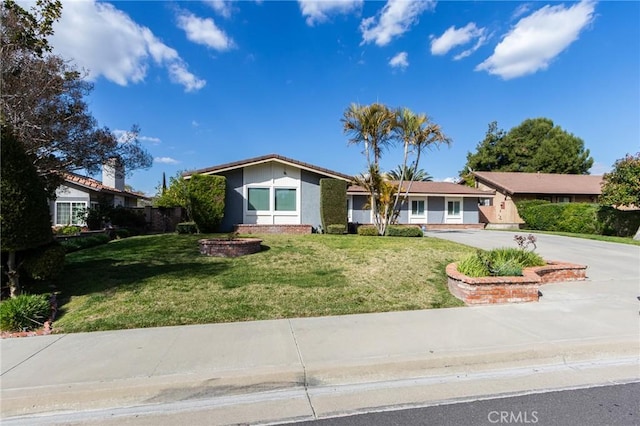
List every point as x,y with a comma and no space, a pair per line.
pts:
210,82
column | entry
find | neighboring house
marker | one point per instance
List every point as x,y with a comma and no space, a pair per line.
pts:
433,204
511,187
276,190
79,193
271,190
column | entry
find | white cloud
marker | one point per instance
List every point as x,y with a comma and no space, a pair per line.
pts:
318,11
453,37
537,39
165,160
204,31
395,18
401,60
108,43
223,8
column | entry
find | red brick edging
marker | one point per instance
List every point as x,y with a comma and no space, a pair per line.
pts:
489,290
229,248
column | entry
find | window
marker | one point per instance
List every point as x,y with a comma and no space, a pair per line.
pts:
564,199
417,208
258,199
453,208
70,213
285,199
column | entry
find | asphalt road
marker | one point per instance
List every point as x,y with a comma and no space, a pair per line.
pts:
617,405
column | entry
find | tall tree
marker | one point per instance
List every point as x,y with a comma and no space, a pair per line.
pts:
621,187
24,212
43,100
377,127
536,145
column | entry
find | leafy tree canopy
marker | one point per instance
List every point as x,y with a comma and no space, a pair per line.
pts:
621,187
536,145
43,100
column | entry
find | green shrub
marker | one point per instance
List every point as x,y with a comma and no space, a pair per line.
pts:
368,231
336,229
124,217
186,228
44,263
333,203
621,223
473,266
499,262
68,230
76,244
404,231
24,312
206,195
561,217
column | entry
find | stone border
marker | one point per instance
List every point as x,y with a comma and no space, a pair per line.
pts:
490,290
220,247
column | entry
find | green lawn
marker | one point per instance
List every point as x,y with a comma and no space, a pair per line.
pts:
162,280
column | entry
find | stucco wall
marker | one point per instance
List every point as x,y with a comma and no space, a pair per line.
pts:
359,214
435,214
470,210
310,199
233,199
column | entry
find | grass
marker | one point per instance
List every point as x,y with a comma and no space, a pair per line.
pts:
607,238
163,280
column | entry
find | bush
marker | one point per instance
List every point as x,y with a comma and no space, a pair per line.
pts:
368,231
68,230
124,217
337,229
499,262
333,203
206,195
24,312
122,233
621,223
84,242
404,231
561,217
44,263
186,228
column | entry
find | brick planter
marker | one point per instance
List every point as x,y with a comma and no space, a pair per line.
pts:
488,290
220,247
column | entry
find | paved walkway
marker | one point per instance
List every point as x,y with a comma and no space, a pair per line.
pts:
579,333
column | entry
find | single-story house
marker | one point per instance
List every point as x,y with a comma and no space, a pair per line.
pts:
432,204
271,190
276,190
511,187
79,193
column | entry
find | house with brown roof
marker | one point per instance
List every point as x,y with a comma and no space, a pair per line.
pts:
511,187
276,190
79,193
429,204
271,190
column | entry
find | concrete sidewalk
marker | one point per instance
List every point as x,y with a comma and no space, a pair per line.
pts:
578,334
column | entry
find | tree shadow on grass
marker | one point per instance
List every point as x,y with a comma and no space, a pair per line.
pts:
105,276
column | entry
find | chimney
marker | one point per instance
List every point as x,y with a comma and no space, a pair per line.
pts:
113,173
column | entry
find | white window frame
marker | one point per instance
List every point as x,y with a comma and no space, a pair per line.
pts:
453,218
417,218
71,205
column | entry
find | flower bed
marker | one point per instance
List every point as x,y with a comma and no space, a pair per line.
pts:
489,290
220,247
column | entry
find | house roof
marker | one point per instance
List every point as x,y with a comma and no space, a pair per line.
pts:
541,183
96,185
265,159
433,188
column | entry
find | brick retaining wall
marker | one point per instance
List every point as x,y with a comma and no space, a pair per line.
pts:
489,290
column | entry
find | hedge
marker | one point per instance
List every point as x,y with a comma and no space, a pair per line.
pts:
206,194
404,231
368,231
333,203
583,218
336,229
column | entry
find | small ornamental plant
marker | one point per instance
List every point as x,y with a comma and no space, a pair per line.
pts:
502,262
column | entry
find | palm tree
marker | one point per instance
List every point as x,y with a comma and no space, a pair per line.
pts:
403,172
370,125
